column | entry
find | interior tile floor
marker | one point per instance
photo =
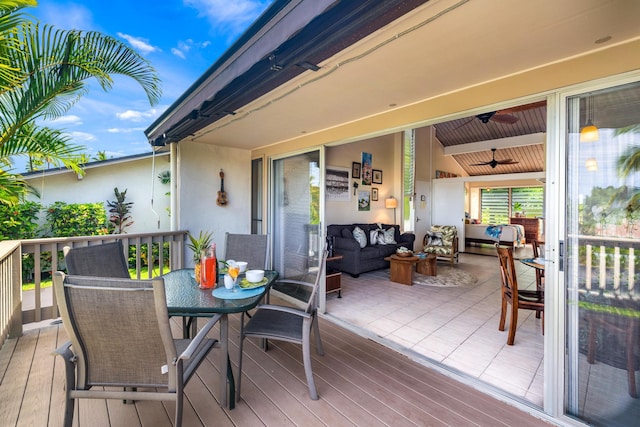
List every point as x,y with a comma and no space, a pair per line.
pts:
454,326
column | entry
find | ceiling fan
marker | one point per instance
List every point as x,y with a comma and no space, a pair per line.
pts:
503,116
493,162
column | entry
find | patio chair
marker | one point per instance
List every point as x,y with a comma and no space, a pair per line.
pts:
252,248
519,299
105,260
120,337
282,323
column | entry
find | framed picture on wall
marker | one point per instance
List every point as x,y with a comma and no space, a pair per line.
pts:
337,184
377,176
374,194
355,169
364,200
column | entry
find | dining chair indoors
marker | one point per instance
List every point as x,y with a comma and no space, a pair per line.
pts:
252,248
518,299
120,339
291,324
537,250
105,260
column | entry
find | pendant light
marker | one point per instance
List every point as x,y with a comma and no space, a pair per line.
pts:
589,133
591,164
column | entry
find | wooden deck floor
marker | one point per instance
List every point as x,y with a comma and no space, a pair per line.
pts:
360,383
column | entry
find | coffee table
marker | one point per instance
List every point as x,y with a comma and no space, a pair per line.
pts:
427,265
402,268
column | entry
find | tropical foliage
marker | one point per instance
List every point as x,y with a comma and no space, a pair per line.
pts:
44,71
120,212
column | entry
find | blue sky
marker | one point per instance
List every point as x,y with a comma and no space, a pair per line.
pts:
181,39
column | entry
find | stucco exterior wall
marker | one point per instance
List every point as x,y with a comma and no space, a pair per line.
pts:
96,186
199,168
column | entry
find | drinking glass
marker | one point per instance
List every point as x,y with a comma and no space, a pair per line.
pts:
234,271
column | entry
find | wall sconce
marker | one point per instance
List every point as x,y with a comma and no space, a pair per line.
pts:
591,164
391,203
589,133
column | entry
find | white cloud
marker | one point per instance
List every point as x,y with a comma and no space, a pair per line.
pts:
65,16
177,52
139,43
70,119
125,130
226,15
82,136
137,116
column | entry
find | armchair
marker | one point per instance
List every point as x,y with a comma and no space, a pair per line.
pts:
121,345
442,241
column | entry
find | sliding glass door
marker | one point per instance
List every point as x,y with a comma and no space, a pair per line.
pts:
601,265
295,229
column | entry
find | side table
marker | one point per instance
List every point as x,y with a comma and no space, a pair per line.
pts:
333,276
402,268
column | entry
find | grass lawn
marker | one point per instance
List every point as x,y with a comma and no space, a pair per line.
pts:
144,273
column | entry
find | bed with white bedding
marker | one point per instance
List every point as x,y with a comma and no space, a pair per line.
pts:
509,234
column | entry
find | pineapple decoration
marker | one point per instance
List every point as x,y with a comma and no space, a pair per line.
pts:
197,245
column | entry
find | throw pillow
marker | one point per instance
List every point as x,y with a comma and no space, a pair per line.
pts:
388,236
435,239
360,237
346,233
376,236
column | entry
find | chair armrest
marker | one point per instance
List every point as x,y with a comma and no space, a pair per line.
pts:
64,350
346,244
285,309
295,282
407,238
201,336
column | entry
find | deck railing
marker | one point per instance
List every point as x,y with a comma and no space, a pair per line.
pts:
610,264
10,290
13,313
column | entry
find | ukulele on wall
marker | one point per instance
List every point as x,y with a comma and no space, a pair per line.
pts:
222,195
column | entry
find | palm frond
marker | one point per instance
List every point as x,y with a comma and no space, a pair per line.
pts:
629,162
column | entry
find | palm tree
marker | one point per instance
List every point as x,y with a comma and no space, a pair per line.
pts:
43,72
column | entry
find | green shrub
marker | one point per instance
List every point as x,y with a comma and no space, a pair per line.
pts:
20,221
66,220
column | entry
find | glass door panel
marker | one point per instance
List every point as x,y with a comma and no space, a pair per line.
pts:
296,230
601,263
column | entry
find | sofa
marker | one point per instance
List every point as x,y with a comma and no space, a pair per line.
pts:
358,258
442,240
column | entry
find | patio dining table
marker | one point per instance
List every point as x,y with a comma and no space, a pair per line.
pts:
186,299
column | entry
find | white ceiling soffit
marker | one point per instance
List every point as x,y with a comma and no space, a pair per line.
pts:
441,47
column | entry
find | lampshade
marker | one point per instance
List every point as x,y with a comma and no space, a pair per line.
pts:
591,164
589,133
391,203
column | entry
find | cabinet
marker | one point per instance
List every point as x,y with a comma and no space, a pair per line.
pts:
333,276
533,228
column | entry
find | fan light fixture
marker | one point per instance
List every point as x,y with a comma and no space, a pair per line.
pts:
589,133
391,203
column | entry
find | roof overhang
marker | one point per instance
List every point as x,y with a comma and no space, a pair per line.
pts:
289,39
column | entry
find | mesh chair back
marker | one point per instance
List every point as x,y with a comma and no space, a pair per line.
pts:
252,248
312,304
105,260
114,329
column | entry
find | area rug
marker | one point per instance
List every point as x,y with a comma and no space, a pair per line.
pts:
447,277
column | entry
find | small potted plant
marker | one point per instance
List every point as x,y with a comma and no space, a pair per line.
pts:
197,245
517,209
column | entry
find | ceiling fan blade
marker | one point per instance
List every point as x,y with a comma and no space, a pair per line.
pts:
507,119
507,162
481,164
464,124
523,107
